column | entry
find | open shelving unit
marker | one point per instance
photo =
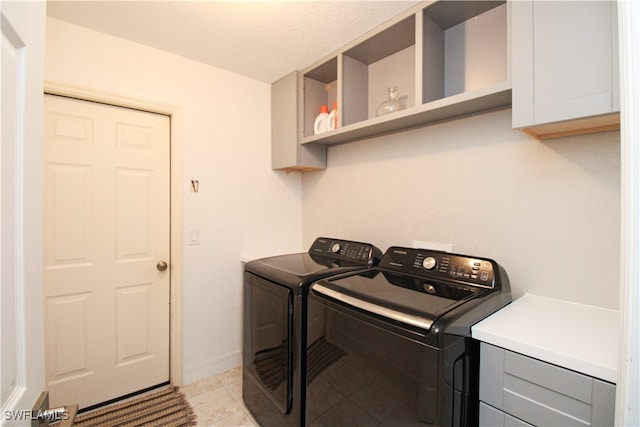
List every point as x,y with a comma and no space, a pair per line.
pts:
448,59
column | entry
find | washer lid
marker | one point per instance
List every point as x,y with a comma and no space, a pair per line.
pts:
300,269
299,265
405,299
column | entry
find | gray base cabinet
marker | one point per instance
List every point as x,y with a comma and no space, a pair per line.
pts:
517,390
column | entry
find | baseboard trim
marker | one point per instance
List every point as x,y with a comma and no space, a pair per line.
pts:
211,367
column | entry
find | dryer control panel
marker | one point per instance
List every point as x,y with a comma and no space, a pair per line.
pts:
347,250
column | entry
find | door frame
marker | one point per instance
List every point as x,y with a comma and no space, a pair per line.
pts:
176,207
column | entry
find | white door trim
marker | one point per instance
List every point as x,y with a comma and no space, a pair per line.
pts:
628,385
22,371
177,123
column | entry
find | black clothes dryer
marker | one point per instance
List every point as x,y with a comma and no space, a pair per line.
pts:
275,318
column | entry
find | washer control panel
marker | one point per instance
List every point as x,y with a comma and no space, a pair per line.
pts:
347,250
440,265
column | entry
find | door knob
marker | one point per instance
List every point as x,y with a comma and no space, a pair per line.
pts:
161,266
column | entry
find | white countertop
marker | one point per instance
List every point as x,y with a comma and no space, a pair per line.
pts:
579,337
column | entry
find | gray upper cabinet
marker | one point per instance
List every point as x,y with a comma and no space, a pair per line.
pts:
451,59
565,67
286,151
447,60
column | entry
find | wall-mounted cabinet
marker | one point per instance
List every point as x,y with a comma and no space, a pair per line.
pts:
450,59
286,151
565,67
446,59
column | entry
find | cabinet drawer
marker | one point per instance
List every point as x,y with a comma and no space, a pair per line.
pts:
543,394
492,417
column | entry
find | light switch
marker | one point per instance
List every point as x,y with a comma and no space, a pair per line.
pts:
194,236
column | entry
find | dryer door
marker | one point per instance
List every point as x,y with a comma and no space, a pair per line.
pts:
270,341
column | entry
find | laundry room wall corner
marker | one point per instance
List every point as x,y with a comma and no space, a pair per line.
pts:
238,192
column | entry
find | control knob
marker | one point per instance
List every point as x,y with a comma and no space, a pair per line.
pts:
429,263
335,248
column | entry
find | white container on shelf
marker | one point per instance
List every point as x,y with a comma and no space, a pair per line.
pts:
320,124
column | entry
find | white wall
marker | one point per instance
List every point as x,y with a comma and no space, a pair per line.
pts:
549,212
243,208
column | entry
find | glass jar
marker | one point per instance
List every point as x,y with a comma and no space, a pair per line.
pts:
390,105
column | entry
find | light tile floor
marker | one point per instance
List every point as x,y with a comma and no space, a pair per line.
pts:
218,401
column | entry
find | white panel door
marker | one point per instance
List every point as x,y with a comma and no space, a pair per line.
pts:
106,228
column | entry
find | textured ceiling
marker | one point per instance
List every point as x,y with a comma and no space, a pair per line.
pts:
263,40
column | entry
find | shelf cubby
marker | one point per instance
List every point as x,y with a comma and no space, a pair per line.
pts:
370,67
464,47
320,87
